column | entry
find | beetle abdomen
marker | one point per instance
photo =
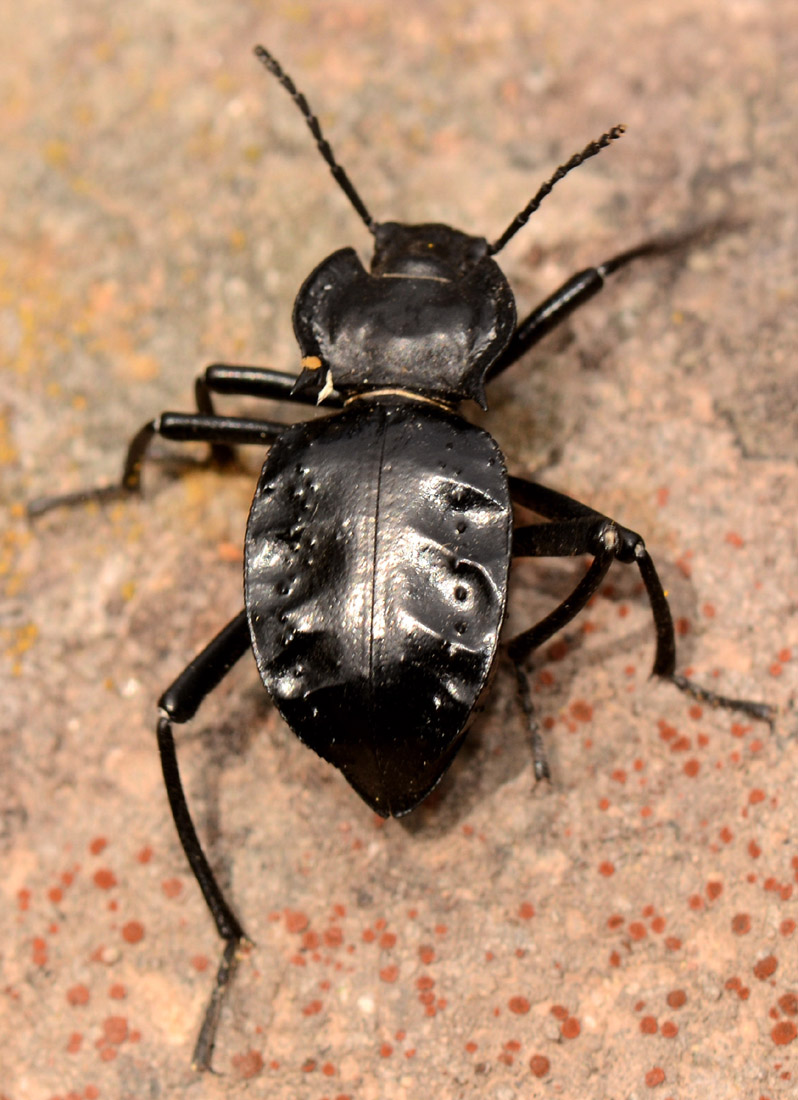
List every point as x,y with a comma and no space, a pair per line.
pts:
376,572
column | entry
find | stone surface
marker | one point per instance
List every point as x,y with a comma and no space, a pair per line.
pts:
630,930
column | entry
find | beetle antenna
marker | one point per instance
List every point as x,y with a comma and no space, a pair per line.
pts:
521,219
322,144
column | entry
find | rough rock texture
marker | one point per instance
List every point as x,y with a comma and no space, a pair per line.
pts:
629,930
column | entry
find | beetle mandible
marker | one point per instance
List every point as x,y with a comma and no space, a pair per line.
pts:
380,537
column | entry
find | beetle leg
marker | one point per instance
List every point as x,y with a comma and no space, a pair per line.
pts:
576,529
182,427
580,288
246,381
179,703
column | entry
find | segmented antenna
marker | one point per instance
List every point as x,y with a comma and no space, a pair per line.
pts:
322,144
521,219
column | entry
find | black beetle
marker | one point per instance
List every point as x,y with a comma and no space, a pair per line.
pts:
380,537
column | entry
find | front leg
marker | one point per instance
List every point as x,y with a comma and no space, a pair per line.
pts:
246,381
574,529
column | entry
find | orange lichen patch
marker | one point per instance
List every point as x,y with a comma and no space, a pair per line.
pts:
766,967
784,1033
741,924
570,1028
519,1005
133,931
247,1065
296,921
655,1077
539,1065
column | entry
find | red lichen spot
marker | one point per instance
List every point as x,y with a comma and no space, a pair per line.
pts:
328,1069
471,1047
581,711
91,1092
673,943
714,889
754,850
77,995
669,1029
606,868
295,921
637,930
387,940
783,1033
117,992
604,804
559,1012
558,650
741,924
735,540
676,998
75,1042
312,1008
539,1065
570,1027
104,879
766,968
441,929
619,775
115,1029
133,931
658,925
426,953
519,1005
55,894
775,669
368,935
648,1025
97,845
310,940
145,854
756,795
655,1077
248,1065
681,744
682,626
695,901
788,1003
787,927
386,1050
389,973
692,767
526,910
615,958
615,921
172,887
334,937
107,1054
200,963
695,711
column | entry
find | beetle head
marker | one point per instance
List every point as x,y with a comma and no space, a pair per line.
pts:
430,317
